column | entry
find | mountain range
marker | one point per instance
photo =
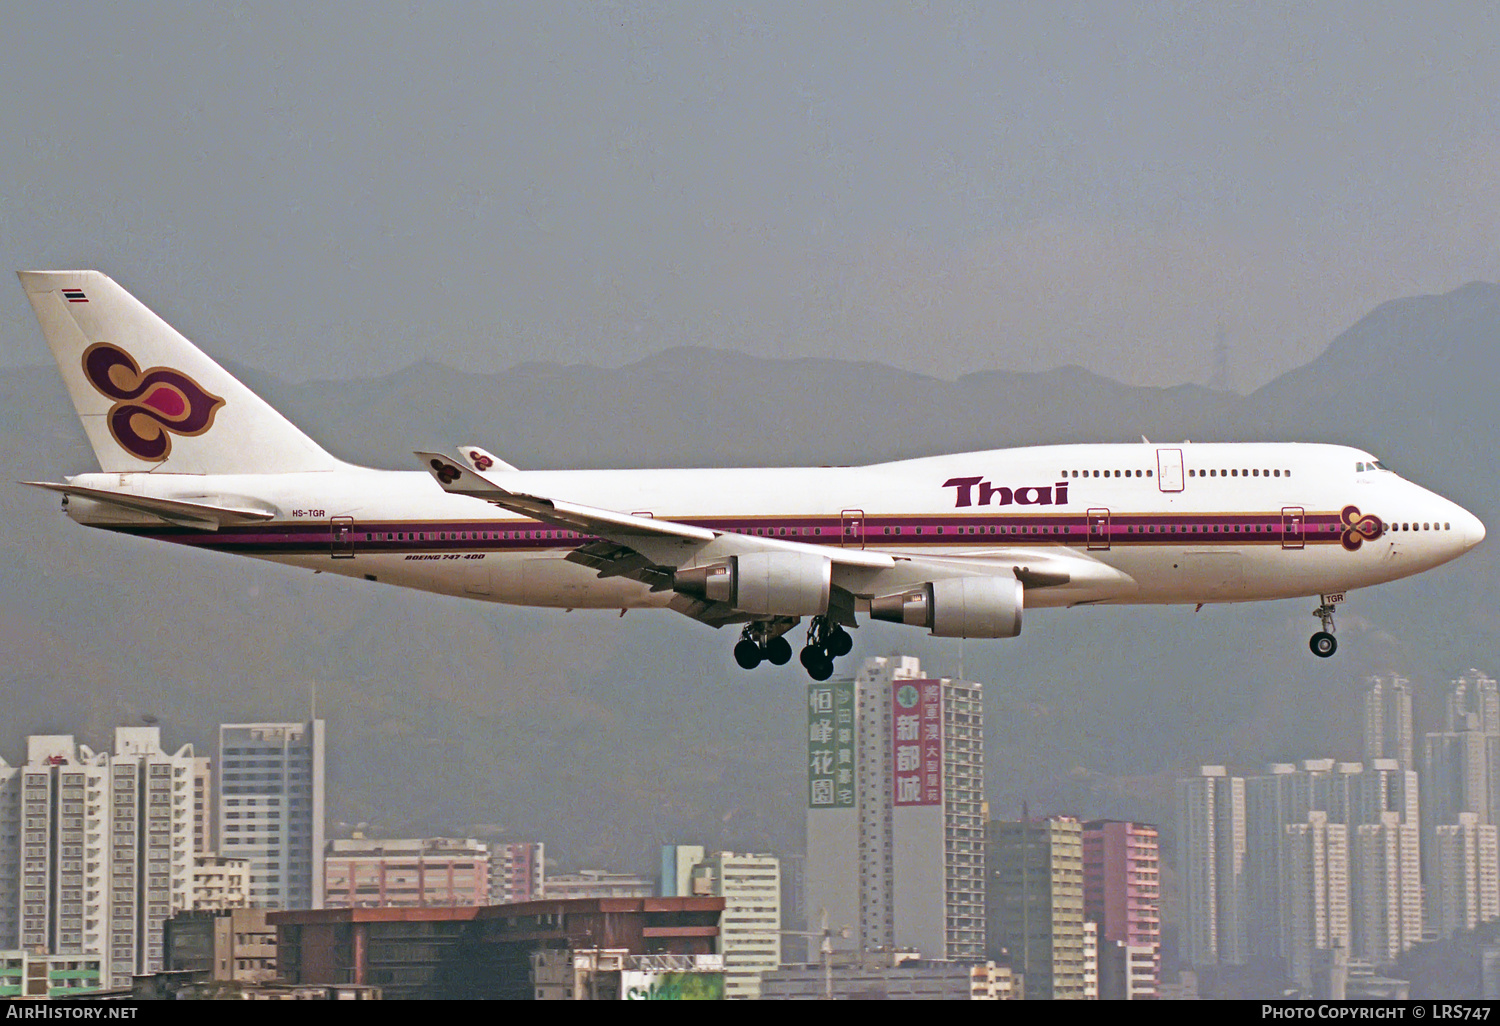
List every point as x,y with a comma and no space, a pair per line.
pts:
603,735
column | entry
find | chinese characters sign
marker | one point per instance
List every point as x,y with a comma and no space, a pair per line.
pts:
830,745
917,742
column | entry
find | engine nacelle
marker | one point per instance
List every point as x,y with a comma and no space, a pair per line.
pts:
957,607
763,583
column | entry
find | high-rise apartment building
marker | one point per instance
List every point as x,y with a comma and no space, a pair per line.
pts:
1385,785
895,823
10,855
406,873
1456,776
106,848
1034,906
750,928
1464,875
1350,793
1314,893
203,804
1473,703
271,809
1389,733
1385,888
1122,894
220,883
1211,845
517,871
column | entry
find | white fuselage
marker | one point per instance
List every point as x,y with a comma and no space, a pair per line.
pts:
1181,523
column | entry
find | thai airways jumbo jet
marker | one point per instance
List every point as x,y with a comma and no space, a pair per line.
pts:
957,544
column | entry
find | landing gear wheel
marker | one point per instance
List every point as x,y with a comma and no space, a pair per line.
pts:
1323,643
747,654
826,641
839,643
778,651
818,665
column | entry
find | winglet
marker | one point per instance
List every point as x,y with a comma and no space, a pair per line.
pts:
482,459
458,479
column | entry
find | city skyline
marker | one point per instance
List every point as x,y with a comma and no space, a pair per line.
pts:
1276,869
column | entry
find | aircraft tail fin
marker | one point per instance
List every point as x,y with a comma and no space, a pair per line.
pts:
148,398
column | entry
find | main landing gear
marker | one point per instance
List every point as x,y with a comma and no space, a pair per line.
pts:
758,643
764,641
1323,643
826,641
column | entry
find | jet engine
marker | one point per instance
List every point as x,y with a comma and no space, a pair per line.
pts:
763,583
958,607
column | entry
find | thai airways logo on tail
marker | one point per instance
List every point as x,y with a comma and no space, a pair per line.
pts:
151,405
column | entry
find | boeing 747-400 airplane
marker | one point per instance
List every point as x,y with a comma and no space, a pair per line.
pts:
956,544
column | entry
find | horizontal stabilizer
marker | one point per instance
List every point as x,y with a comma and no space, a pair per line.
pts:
203,516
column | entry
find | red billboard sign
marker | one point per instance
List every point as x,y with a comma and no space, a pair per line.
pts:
916,742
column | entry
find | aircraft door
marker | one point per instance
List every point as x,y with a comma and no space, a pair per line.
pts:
852,528
341,535
1293,527
1098,528
1169,476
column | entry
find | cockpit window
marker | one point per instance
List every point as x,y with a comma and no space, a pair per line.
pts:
1361,467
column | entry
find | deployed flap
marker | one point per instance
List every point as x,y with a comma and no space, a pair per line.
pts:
189,514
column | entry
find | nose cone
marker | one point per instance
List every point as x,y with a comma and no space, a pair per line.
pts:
1472,530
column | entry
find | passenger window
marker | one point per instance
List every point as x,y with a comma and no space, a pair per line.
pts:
1148,473
1277,473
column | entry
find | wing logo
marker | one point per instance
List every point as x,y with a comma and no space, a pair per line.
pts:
1359,529
480,460
446,472
150,406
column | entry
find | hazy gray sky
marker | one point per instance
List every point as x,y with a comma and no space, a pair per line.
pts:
326,190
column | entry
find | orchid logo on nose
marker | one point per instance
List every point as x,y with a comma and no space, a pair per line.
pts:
1359,529
151,405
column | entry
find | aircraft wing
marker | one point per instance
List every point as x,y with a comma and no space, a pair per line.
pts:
653,540
204,516
650,549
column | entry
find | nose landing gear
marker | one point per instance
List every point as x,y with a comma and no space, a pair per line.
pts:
1323,643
